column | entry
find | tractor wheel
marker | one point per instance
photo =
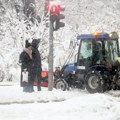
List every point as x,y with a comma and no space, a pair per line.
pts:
94,82
61,84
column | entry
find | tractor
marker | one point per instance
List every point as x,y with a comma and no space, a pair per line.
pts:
96,68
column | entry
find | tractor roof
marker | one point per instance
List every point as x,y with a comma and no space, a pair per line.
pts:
92,36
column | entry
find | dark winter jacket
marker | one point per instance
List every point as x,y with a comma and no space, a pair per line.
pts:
36,60
26,60
36,55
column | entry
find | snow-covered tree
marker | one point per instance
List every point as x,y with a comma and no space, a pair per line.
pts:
81,16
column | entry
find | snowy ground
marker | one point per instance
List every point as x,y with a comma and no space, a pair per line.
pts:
57,105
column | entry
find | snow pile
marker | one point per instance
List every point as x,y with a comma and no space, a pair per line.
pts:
14,94
58,105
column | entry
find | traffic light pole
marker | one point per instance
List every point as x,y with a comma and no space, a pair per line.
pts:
50,58
54,17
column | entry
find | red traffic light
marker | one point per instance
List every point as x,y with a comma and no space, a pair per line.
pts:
55,8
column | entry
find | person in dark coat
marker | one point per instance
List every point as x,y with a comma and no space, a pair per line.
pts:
37,62
26,60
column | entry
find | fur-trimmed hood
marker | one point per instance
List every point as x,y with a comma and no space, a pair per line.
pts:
29,52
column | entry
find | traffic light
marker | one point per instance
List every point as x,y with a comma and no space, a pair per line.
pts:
56,16
60,24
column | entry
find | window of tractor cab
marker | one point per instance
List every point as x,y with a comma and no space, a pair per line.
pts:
88,48
85,49
111,49
92,50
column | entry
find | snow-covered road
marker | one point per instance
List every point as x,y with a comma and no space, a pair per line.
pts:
58,105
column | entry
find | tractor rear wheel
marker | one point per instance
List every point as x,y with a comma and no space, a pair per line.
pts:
94,82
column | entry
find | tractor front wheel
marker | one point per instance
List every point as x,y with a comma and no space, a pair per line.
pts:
61,84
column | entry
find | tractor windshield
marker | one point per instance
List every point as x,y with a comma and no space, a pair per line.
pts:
90,52
111,49
85,52
86,49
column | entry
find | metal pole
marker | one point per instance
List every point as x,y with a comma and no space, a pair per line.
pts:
50,58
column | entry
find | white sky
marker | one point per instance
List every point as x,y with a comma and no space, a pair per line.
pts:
57,105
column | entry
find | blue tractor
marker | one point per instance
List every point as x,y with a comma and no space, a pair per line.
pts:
97,66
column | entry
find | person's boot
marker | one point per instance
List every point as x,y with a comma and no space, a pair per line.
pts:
39,88
30,89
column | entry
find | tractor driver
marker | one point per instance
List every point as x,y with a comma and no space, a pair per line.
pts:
98,53
100,58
